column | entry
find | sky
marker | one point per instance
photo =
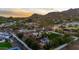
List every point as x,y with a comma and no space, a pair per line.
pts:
26,12
45,6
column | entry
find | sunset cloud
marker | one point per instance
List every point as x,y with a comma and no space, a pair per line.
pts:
14,12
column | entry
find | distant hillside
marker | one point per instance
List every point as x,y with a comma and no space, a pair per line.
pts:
71,13
68,14
56,17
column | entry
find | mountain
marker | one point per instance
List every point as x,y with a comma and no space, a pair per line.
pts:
56,17
68,14
71,13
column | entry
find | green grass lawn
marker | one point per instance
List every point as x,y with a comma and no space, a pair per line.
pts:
5,45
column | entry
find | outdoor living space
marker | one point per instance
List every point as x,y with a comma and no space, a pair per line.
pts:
5,41
5,45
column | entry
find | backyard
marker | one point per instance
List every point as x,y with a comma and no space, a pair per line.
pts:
5,45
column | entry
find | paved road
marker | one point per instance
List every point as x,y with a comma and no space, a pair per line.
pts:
25,45
67,46
73,46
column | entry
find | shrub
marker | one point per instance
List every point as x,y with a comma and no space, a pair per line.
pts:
32,44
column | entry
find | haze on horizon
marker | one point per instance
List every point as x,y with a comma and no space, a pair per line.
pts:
26,12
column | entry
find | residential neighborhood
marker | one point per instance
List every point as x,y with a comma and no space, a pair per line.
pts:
40,32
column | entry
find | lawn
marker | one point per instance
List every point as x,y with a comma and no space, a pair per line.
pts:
5,45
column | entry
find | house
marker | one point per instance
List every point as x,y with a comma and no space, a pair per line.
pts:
4,35
15,48
43,41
